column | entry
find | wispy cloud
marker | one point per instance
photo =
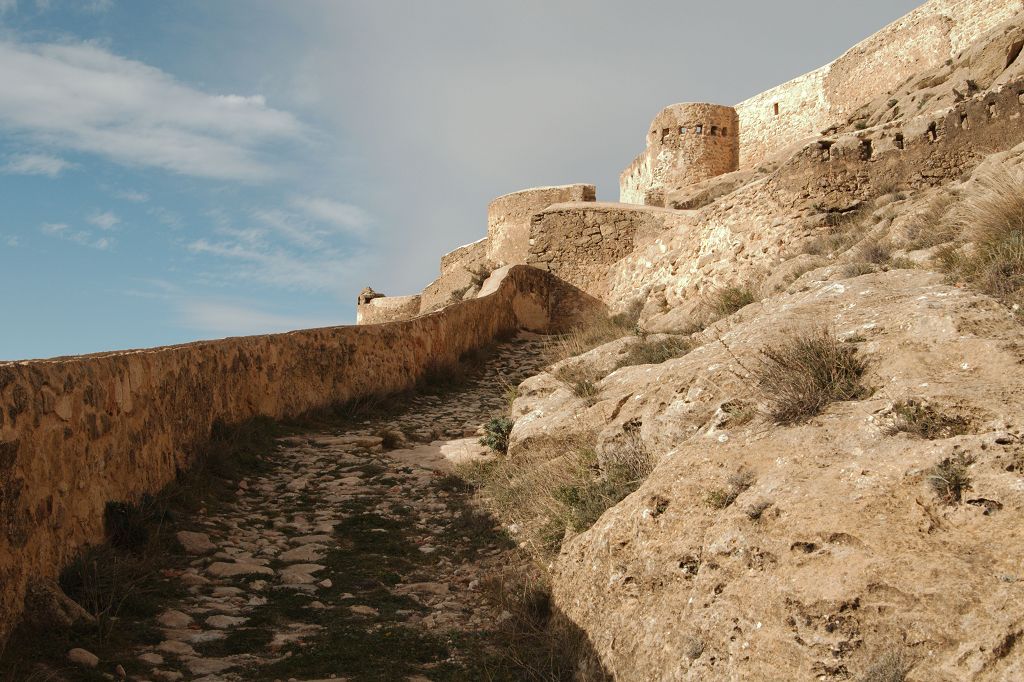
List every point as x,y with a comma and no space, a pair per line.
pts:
91,6
232,319
132,196
82,97
338,215
81,237
12,241
270,265
36,164
310,246
105,221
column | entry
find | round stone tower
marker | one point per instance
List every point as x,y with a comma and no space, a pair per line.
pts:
686,143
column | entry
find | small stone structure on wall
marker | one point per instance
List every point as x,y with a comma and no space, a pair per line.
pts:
686,143
387,309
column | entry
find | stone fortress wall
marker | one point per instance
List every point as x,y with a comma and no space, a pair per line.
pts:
78,432
686,143
812,103
808,105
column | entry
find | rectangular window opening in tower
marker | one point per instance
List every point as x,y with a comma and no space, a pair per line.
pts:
714,131
725,132
699,130
776,107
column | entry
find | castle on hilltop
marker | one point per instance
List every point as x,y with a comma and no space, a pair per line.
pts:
564,230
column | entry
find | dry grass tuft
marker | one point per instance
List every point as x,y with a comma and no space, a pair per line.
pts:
891,665
931,227
654,352
924,421
738,483
806,372
581,379
725,301
539,643
560,486
992,220
595,332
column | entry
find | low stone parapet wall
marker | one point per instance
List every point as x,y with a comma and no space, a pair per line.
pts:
78,432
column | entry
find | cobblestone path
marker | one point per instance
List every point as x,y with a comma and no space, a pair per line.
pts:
348,560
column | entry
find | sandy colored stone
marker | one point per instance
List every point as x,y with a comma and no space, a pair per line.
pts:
83,658
174,619
221,569
195,543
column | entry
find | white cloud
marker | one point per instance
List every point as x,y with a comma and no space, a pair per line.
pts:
81,237
230,319
132,195
327,270
345,217
36,164
105,221
82,97
92,6
12,241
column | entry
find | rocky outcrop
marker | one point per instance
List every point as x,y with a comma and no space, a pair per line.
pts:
837,551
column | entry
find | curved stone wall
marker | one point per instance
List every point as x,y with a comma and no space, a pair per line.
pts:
686,143
78,432
508,219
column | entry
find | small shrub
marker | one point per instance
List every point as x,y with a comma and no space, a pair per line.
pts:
922,420
496,433
720,498
651,352
950,479
806,372
756,511
890,666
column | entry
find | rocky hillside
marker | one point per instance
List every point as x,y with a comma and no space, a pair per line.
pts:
800,457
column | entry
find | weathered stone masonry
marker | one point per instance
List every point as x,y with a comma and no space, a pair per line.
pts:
812,103
508,218
78,432
686,143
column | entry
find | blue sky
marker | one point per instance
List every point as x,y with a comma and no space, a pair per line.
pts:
199,169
